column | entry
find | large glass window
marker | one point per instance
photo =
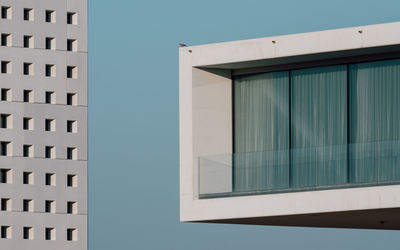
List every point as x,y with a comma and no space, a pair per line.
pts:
375,121
261,131
320,126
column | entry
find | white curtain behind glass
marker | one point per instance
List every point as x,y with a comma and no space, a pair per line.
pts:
261,131
319,126
375,121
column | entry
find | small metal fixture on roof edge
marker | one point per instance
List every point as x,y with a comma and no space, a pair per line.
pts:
182,45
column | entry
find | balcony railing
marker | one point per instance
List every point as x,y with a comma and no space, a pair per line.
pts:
304,169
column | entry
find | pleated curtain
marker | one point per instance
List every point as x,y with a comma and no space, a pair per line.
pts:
261,132
344,127
319,126
375,121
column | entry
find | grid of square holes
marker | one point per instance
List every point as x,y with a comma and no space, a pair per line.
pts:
28,233
50,43
29,205
28,68
28,124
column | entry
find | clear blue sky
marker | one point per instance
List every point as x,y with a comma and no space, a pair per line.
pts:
133,118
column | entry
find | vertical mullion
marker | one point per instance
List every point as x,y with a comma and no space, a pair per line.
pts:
233,129
290,128
348,123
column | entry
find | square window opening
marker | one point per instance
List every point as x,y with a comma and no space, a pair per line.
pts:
28,150
72,72
50,179
5,176
28,68
50,233
5,67
50,125
5,148
71,153
72,18
6,12
6,94
50,206
50,97
72,126
72,234
5,232
28,95
27,123
28,42
6,39
50,152
28,178
50,43
50,70
50,16
72,207
28,14
72,99
5,121
27,205
5,204
72,180
72,45
28,233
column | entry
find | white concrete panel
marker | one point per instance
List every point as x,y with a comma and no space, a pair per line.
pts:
212,116
39,111
295,44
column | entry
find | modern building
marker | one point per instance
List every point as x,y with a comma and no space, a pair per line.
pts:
43,124
294,130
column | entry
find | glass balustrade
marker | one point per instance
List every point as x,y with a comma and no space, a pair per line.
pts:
304,169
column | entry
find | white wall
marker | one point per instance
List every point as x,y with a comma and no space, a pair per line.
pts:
212,121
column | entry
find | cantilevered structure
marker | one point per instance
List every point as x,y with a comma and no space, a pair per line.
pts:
295,130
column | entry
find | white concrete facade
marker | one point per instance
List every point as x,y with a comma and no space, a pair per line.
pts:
205,82
51,37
